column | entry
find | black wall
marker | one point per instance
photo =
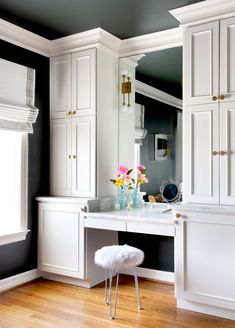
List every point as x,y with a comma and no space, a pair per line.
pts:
22,256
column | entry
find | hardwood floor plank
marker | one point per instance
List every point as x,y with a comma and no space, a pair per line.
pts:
48,304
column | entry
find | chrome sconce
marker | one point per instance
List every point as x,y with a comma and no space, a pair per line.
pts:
126,92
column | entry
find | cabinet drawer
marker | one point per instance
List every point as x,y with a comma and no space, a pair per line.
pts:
151,228
106,224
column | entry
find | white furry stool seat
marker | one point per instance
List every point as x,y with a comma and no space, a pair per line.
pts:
117,256
113,258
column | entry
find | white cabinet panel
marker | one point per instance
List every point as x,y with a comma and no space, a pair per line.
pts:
83,83
201,168
227,161
60,163
201,64
84,163
205,268
61,240
227,59
60,86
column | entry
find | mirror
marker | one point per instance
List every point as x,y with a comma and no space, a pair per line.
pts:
151,130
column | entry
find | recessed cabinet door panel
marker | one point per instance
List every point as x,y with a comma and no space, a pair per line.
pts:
83,151
83,83
227,159
60,171
204,259
60,86
201,63
227,59
201,168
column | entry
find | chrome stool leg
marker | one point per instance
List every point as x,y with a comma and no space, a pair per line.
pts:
106,299
137,288
108,292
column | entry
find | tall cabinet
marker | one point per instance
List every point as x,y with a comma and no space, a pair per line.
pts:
209,113
84,123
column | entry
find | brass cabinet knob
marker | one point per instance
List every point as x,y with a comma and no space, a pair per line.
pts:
74,113
73,156
69,156
214,153
222,153
222,97
178,216
69,113
214,98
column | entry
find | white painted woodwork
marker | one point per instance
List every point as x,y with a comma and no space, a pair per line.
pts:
61,240
60,163
84,82
201,63
204,248
227,161
201,168
227,59
84,161
60,86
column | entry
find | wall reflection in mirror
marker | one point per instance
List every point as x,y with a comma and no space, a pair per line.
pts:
151,134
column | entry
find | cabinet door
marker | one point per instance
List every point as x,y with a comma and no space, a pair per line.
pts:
60,163
84,156
60,240
227,160
201,167
227,59
84,83
60,86
201,63
204,265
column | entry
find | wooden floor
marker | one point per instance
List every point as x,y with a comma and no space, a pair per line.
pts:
55,305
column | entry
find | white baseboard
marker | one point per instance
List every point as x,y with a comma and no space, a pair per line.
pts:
19,279
164,276
206,309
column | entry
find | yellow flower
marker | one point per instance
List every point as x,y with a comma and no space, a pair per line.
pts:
118,182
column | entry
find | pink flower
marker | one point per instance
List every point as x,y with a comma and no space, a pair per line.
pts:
123,169
127,180
141,167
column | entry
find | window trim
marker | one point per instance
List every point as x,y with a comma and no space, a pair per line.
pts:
21,235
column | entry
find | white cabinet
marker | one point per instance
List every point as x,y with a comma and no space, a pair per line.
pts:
61,240
84,129
73,162
209,120
204,258
72,84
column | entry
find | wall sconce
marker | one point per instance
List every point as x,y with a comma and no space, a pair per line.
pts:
126,92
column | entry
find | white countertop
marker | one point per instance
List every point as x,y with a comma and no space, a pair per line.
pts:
136,214
209,208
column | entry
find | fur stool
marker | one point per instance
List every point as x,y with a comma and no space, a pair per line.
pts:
112,259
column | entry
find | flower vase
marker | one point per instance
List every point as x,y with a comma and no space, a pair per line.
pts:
135,198
122,199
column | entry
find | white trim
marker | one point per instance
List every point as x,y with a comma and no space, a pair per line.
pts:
24,38
207,309
151,92
204,11
152,42
19,279
159,275
13,237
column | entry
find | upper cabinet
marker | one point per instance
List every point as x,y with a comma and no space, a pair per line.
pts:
209,62
209,113
73,84
84,123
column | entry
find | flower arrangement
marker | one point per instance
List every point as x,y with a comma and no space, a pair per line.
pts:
123,178
141,175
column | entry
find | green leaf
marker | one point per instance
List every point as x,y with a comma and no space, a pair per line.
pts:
129,172
144,171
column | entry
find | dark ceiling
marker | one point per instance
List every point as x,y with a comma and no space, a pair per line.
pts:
123,18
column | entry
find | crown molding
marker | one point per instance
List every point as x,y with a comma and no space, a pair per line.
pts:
80,41
204,11
23,38
152,42
156,94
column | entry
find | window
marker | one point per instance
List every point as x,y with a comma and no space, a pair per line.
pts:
13,186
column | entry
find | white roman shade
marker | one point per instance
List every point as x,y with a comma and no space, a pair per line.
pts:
17,87
140,131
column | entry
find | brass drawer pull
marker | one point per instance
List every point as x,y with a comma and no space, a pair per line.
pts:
178,216
222,97
222,153
74,113
214,98
69,113
214,153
